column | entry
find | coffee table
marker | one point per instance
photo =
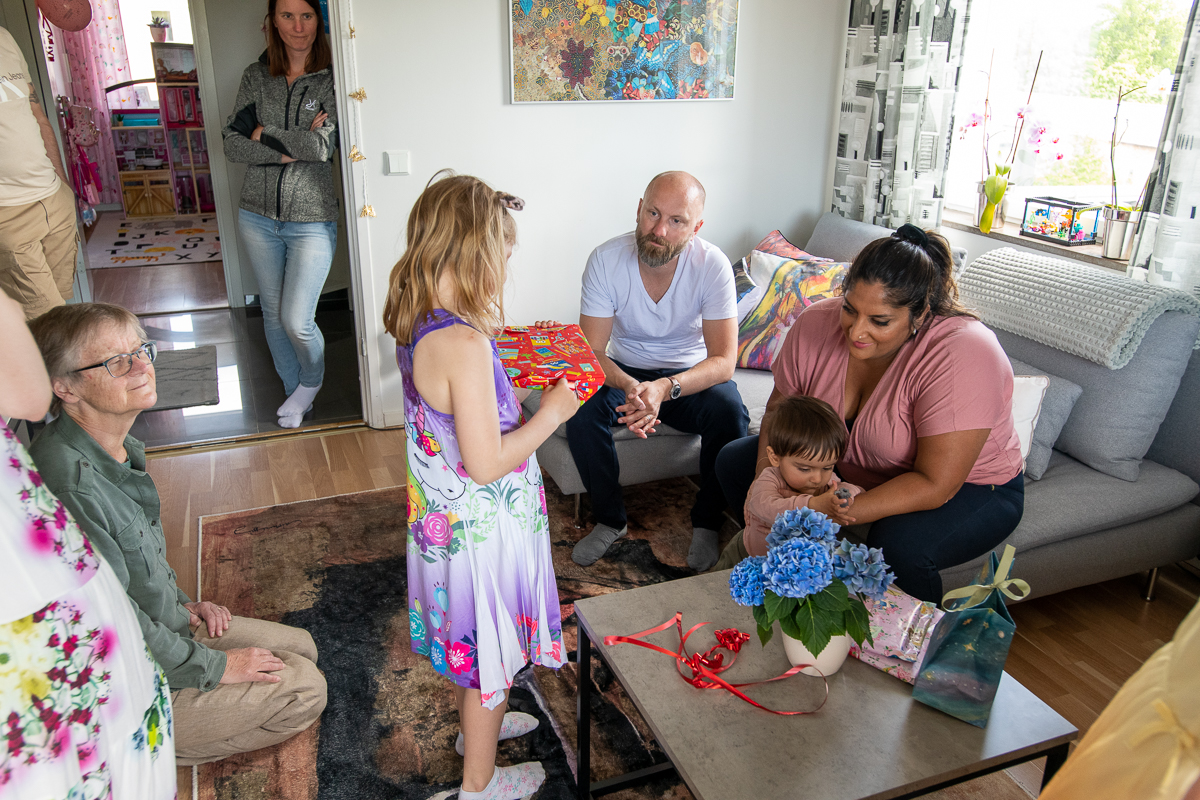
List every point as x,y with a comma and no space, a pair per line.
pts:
871,739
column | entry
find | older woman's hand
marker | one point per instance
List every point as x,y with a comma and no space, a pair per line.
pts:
214,616
251,665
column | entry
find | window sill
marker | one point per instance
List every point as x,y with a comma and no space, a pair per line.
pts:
1011,234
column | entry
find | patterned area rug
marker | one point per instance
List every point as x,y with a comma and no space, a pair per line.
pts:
119,242
336,568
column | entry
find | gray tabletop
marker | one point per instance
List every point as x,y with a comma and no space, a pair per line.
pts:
870,740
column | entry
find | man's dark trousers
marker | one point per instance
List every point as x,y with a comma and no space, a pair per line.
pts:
717,414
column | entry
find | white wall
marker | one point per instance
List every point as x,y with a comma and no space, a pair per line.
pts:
442,93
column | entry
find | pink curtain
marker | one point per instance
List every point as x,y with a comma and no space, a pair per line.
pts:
97,59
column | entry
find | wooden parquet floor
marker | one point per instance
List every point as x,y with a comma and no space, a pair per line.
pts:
1074,649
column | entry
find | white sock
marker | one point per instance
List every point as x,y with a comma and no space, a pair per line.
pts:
515,724
298,403
510,783
291,422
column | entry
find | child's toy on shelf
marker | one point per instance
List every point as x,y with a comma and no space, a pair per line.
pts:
1053,219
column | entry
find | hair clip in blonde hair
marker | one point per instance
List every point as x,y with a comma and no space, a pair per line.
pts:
355,156
510,201
360,95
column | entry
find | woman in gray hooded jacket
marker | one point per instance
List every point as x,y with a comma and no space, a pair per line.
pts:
284,126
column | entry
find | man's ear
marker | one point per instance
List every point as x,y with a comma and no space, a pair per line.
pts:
62,390
638,218
774,459
696,229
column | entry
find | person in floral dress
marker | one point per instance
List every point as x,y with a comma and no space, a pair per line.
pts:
85,712
483,601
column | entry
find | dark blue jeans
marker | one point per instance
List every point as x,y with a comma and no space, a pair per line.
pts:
919,544
717,414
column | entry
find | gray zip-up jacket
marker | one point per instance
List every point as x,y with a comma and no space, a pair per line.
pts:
301,190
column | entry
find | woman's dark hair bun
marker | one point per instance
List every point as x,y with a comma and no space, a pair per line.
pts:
912,234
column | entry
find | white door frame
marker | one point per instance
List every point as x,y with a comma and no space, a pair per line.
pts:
217,167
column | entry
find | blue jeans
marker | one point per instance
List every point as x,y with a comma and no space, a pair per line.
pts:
717,414
291,261
919,544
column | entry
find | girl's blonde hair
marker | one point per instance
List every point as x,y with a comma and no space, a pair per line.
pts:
460,224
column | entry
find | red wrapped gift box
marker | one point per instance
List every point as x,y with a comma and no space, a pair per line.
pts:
537,357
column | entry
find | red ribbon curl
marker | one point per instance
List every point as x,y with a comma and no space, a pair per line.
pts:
705,666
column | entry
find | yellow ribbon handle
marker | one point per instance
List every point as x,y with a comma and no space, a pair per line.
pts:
1169,724
1000,582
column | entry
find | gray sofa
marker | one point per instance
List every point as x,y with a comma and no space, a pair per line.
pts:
1081,525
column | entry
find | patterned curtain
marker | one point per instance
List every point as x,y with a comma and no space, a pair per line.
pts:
897,109
97,58
1167,249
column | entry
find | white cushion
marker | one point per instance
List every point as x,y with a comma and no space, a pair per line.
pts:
1028,391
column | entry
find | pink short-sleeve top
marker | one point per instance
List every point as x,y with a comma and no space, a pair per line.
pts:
951,376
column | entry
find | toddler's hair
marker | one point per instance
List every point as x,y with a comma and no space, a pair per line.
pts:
807,427
461,224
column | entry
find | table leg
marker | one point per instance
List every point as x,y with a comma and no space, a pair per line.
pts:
1054,760
583,717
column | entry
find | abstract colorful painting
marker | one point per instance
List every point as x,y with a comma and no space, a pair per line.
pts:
623,49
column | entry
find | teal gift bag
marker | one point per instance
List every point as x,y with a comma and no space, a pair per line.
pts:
962,667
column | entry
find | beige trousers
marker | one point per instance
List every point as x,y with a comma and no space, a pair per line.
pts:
239,717
38,244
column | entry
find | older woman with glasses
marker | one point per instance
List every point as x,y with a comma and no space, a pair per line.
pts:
237,684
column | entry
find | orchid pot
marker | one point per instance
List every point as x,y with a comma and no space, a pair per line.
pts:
1114,227
814,586
991,206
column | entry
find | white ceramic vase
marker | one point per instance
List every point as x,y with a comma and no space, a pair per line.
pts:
828,662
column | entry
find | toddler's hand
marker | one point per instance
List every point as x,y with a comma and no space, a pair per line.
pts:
831,506
560,400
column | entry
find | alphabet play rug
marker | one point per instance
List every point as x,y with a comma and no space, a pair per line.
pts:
118,242
336,567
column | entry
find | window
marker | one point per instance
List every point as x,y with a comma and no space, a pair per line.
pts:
1088,49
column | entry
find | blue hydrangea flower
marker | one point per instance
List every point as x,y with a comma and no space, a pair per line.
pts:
746,582
797,568
862,569
806,523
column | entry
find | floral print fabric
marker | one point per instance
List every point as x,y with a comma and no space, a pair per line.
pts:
482,596
85,713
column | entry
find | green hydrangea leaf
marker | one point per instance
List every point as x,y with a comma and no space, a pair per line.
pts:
778,607
810,625
858,622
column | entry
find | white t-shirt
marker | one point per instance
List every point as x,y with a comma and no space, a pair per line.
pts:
667,334
26,173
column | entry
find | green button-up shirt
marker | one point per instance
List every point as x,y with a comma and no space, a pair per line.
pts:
117,506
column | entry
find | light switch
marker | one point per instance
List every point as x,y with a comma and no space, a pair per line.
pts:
396,162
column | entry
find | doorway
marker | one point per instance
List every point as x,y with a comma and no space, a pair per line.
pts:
165,245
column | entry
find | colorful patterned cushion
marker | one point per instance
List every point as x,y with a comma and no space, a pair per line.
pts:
783,288
777,245
751,285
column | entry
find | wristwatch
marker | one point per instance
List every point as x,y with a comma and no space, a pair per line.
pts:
676,389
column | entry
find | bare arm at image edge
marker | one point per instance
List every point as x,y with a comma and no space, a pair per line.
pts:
48,139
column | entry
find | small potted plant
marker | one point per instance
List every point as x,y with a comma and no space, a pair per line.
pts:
158,29
815,586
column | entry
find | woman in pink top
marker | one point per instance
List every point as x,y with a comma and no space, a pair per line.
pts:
926,393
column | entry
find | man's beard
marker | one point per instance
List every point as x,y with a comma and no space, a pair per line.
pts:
656,258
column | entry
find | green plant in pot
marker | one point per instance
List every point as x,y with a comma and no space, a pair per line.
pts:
158,28
815,586
993,190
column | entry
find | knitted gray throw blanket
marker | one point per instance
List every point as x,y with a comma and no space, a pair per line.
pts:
1089,312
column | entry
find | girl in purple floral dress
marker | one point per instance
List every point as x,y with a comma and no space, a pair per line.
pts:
482,596
85,712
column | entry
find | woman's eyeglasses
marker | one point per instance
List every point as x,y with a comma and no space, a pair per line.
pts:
119,365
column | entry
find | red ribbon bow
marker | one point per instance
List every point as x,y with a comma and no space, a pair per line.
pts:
705,666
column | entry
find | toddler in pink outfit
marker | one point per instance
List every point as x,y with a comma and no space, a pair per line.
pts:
807,439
